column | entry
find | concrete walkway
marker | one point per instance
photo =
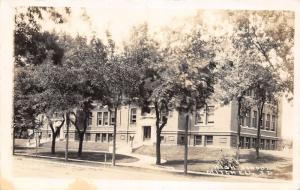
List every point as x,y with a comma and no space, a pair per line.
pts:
147,162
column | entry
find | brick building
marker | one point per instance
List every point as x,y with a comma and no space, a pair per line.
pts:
212,127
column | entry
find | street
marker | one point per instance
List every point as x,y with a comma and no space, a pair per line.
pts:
94,176
35,167
32,167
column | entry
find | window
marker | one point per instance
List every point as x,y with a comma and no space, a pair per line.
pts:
273,123
248,93
87,137
210,114
105,118
242,142
76,136
147,132
248,118
199,118
262,144
181,140
242,120
162,138
247,143
273,145
163,114
263,121
209,140
268,122
133,115
97,137
112,118
110,137
99,118
198,140
145,110
267,144
103,138
253,143
90,118
254,119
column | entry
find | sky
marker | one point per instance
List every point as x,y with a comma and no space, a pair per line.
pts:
120,19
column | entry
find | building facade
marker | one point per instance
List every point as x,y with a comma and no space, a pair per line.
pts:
210,127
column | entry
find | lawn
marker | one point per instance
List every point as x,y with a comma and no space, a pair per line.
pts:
96,146
201,159
272,164
91,151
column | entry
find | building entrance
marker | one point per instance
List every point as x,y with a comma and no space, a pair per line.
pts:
147,133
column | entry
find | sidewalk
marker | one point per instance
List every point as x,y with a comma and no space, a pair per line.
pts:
147,162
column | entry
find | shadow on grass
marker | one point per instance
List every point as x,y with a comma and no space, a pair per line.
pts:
92,156
24,148
190,161
89,156
246,158
263,158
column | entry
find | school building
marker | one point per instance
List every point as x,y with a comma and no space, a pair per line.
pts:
213,126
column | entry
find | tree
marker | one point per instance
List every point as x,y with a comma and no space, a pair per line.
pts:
234,80
24,114
255,38
125,71
270,35
32,47
192,64
122,80
86,61
162,97
55,96
267,88
31,43
156,88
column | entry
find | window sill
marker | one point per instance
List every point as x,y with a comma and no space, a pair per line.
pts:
207,125
147,117
246,127
267,130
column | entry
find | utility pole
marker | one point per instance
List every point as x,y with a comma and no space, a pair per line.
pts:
186,143
67,135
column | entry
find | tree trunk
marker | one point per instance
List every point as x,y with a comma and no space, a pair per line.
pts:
53,143
238,143
158,157
186,144
67,136
114,138
158,133
258,130
81,135
54,133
